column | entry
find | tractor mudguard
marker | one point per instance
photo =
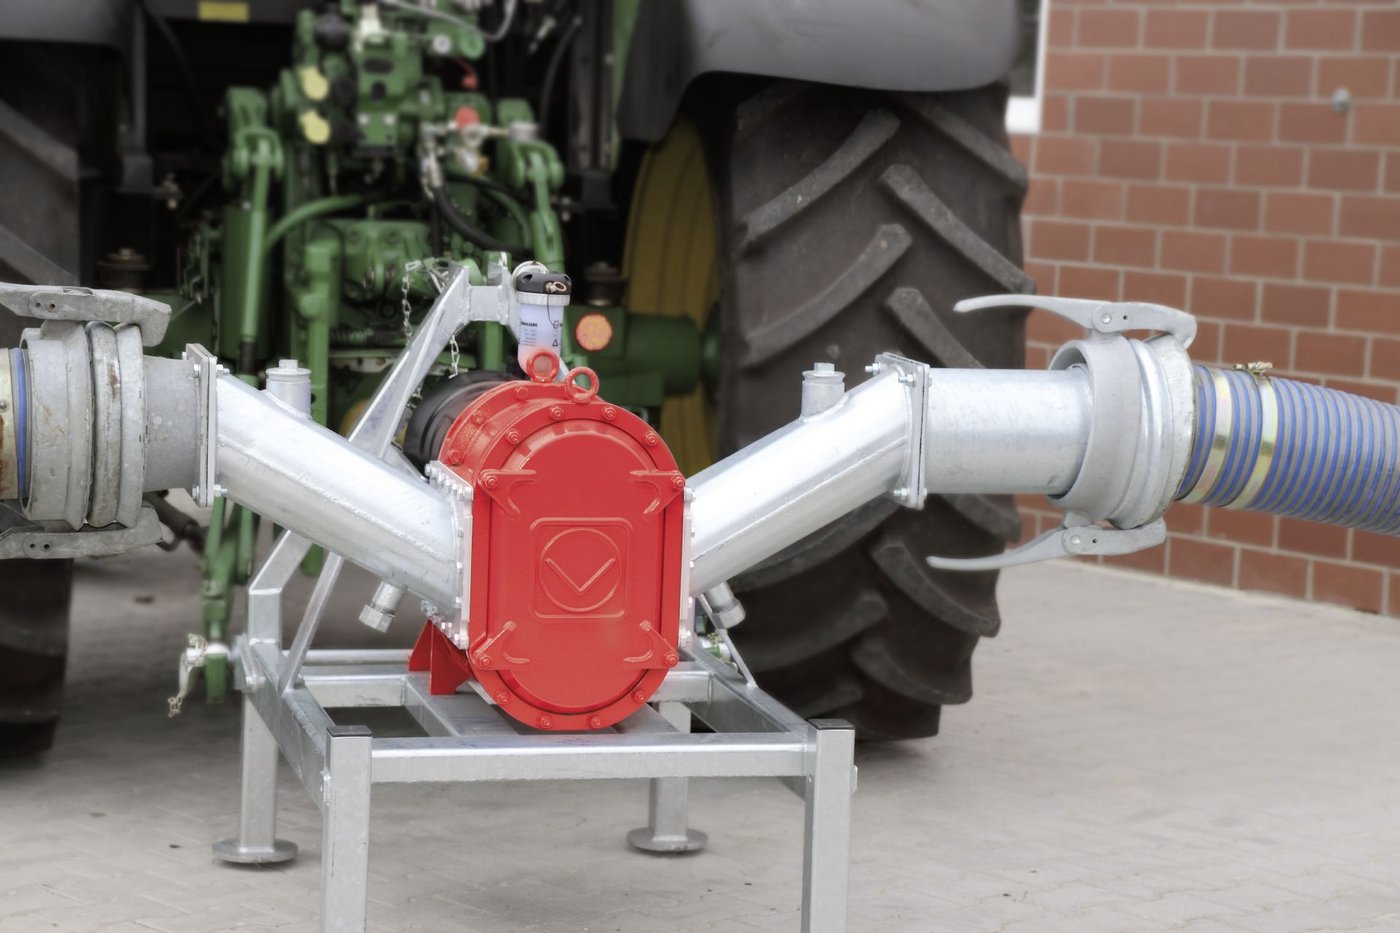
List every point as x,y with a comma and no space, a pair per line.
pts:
78,22
890,45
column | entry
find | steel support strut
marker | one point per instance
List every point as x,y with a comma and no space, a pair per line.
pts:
256,842
668,803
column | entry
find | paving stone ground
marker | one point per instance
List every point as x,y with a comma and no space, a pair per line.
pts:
1141,755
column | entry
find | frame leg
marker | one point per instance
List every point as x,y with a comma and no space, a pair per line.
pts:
668,804
256,842
345,830
827,853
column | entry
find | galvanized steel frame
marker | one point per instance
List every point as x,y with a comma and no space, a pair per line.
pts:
469,740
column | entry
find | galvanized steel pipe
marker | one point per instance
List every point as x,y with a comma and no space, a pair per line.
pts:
987,431
300,475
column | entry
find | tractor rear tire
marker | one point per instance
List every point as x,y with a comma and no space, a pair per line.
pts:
34,600
849,222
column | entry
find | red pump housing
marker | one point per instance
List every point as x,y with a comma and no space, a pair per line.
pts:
576,555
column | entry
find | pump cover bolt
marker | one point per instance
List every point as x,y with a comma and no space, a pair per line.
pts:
491,482
454,458
513,437
545,722
651,439
639,697
595,722
609,413
502,698
556,413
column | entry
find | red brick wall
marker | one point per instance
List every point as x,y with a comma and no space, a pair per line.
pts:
1189,155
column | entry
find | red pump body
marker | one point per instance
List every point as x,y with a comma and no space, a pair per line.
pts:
576,556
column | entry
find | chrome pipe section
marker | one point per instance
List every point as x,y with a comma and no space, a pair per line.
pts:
785,486
304,477
985,431
1006,431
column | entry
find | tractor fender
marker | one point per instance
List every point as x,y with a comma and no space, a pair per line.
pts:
105,23
890,45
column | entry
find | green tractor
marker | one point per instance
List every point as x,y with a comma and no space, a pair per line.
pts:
737,189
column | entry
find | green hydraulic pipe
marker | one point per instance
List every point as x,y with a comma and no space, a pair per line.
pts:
262,161
310,211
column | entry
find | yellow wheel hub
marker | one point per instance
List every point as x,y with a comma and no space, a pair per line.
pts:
671,262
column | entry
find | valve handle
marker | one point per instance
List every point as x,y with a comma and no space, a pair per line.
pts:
1099,318
71,303
1066,541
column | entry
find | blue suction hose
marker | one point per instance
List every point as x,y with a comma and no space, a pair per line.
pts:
1293,449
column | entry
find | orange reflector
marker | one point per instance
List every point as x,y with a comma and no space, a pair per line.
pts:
593,332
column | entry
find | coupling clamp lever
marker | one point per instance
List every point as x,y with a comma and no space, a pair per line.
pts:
1069,540
1099,318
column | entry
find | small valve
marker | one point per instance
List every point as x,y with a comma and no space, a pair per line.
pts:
192,659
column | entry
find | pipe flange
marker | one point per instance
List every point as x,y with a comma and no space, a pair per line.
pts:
912,488
206,371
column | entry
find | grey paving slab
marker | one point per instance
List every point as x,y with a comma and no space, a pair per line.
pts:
1141,755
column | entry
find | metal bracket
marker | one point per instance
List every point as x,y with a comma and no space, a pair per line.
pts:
1069,540
36,543
1099,318
206,372
461,492
913,487
71,303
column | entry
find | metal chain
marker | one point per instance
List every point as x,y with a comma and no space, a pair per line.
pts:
409,267
439,279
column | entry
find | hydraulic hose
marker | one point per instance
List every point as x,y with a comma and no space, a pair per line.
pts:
467,230
1293,449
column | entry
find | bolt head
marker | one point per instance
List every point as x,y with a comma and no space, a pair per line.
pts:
678,481
479,418
651,439
502,698
595,722
556,412
521,392
454,458
544,722
672,659
491,481
483,661
609,414
639,697
513,437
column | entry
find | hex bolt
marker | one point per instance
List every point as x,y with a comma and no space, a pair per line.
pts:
639,697
678,481
672,659
483,661
556,412
454,458
513,437
491,481
545,722
609,413
502,698
595,722
651,439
